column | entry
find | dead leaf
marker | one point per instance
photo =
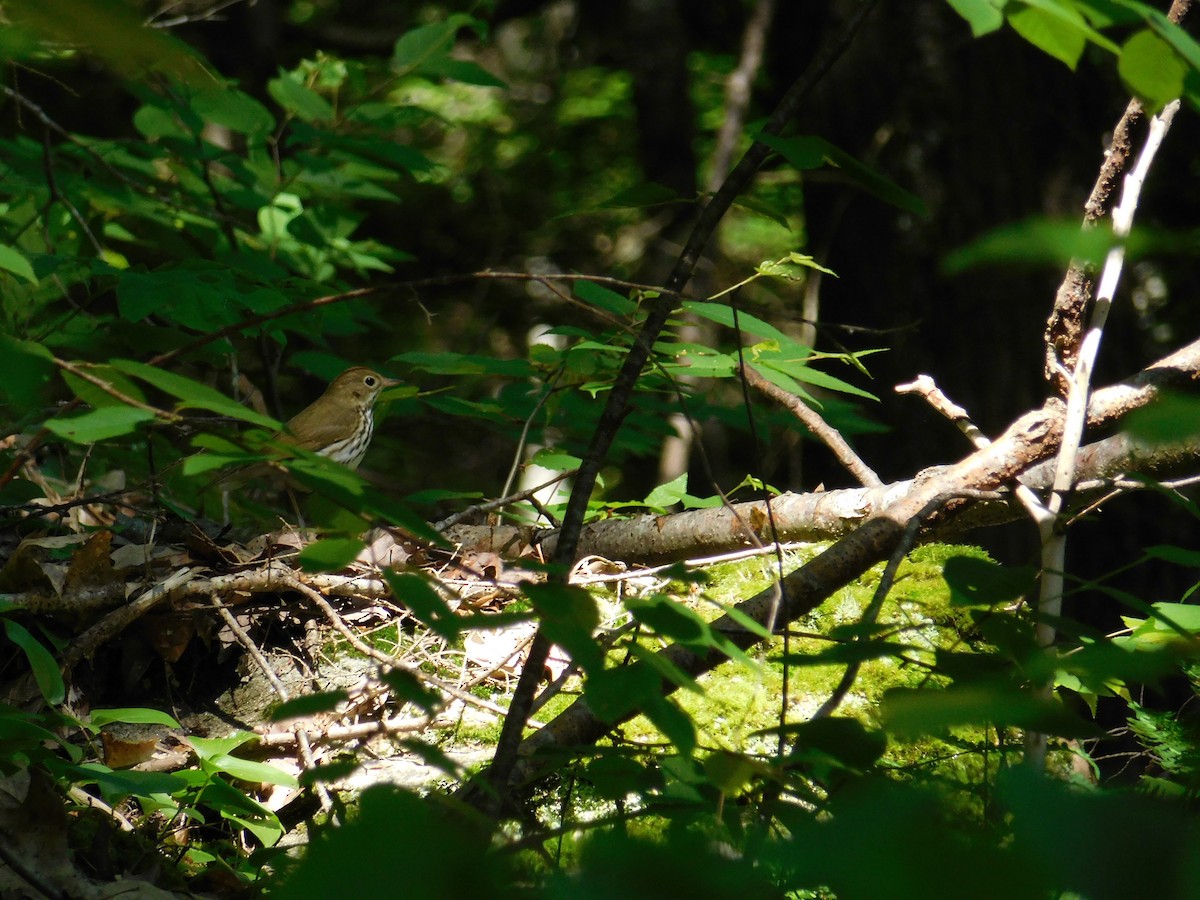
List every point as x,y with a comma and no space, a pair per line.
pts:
91,565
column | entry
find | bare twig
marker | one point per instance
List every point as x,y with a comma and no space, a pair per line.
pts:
307,760
926,387
812,420
367,650
120,619
490,505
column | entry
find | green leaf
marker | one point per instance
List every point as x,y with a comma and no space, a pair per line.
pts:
811,152
96,398
1056,28
114,32
330,554
299,100
607,300
978,582
983,16
770,365
420,48
27,369
1170,418
100,424
127,783
249,770
194,394
615,776
1180,556
98,718
668,494
613,694
640,196
235,110
155,121
669,619
555,460
1036,241
792,267
1182,42
847,740
426,603
207,748
569,618
41,661
12,260
674,723
1152,70
911,712
723,315
408,688
463,70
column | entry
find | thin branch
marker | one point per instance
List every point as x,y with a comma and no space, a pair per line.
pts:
821,429
307,760
490,505
1054,541
1064,328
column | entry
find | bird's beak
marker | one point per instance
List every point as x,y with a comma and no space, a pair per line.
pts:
388,384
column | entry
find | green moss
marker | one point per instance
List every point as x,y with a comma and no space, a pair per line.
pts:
740,700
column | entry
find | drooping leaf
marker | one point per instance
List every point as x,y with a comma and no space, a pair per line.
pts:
12,260
100,424
812,152
194,394
425,602
978,582
614,693
909,712
300,100
1170,418
569,617
98,718
41,661
1152,70
27,368
983,16
233,109
330,554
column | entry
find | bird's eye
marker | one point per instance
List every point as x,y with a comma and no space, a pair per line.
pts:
370,381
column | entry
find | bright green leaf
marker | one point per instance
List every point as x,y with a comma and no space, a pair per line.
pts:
426,603
983,16
330,554
12,260
98,718
193,393
1168,419
100,424
1151,70
300,100
1053,34
41,661
616,693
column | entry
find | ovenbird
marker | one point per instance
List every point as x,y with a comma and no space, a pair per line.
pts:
340,422
337,425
